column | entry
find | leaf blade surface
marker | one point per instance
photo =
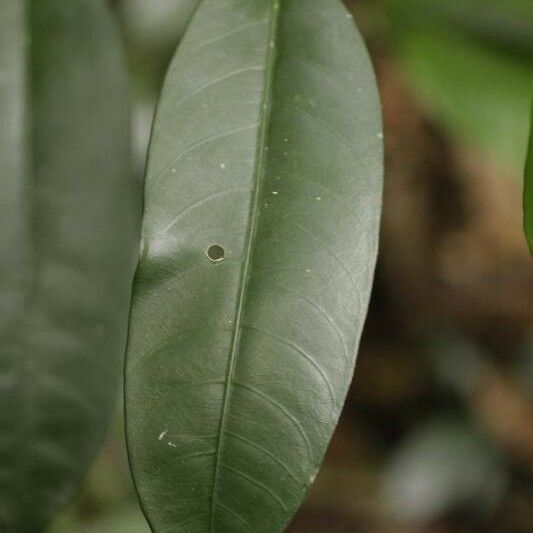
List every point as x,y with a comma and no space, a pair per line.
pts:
528,190
267,142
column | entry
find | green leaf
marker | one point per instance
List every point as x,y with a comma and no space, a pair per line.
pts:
471,64
528,190
262,205
480,94
68,242
508,25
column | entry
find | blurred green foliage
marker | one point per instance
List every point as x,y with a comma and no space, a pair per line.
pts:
528,189
471,62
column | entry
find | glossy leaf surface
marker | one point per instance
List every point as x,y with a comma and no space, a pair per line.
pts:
68,246
528,190
267,144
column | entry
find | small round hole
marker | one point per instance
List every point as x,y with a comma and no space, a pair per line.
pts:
215,253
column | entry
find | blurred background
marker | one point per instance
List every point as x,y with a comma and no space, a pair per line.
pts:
437,432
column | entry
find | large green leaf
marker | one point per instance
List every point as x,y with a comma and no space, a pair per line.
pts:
69,213
471,64
266,148
528,190
508,25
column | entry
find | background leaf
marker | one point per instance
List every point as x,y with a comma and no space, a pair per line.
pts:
471,64
68,244
267,143
528,190
502,24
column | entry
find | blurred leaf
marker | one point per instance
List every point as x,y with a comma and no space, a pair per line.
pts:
480,91
528,190
444,465
68,246
507,24
266,157
479,94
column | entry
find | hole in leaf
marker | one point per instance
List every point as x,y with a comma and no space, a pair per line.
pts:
215,253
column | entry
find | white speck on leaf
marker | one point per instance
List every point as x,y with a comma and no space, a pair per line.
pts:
171,444
162,435
222,165
174,171
380,135
318,198
275,193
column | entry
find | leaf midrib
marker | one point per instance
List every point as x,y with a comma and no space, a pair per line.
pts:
253,219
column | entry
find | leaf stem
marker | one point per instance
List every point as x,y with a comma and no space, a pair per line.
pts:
254,215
